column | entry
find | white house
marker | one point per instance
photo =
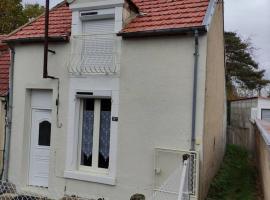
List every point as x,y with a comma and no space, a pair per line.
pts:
133,85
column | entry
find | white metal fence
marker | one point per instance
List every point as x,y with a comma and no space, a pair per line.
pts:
9,191
93,54
176,175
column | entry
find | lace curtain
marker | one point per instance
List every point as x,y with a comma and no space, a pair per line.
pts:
87,133
104,135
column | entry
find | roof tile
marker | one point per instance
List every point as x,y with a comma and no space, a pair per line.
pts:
156,15
59,25
165,14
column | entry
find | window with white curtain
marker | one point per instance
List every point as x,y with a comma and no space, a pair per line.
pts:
95,130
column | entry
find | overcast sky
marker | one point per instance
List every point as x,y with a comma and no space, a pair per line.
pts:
250,18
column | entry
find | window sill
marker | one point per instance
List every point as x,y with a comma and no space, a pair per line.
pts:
84,176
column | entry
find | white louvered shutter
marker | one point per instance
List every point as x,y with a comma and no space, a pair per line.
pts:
98,45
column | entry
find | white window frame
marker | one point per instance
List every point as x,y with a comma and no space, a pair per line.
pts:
72,170
96,134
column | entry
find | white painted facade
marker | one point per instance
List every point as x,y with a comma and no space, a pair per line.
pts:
151,94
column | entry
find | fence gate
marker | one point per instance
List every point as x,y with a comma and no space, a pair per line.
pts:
176,175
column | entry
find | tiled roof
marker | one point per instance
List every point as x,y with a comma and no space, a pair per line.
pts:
59,25
167,14
4,67
154,15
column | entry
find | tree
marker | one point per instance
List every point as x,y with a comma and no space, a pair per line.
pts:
32,11
243,76
13,14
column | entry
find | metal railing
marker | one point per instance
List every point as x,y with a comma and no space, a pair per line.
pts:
10,191
93,54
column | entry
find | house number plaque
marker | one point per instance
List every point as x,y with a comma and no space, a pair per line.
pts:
115,119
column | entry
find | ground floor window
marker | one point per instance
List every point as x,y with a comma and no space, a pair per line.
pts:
95,132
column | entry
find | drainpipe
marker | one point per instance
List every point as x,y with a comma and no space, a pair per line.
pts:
46,41
45,61
194,98
9,118
5,135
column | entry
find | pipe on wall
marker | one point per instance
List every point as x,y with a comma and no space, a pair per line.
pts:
9,118
194,96
46,40
45,60
5,102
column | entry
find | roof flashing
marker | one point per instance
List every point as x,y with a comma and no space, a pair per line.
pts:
209,13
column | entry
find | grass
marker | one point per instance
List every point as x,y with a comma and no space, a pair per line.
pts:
236,180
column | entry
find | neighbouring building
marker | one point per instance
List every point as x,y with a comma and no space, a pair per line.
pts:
241,113
132,86
4,82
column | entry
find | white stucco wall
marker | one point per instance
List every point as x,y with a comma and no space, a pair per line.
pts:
28,75
156,101
155,111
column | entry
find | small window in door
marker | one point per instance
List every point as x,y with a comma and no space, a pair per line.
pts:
44,138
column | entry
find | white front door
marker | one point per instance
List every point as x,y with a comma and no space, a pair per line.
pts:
40,147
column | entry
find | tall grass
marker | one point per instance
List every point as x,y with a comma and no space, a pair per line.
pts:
236,180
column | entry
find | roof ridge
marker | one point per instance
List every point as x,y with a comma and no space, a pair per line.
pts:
37,18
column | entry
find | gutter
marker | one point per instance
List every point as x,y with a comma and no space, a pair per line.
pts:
38,39
194,98
9,118
159,32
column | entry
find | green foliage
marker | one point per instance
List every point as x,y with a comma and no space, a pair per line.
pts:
242,71
236,178
32,11
13,14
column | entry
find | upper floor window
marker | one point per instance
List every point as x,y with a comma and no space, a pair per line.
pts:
96,44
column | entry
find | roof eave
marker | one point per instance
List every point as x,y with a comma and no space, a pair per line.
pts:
37,39
161,32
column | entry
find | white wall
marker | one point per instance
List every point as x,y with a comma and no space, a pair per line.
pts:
262,104
156,101
155,111
28,75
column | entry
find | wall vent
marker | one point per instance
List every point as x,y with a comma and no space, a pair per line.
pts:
97,14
